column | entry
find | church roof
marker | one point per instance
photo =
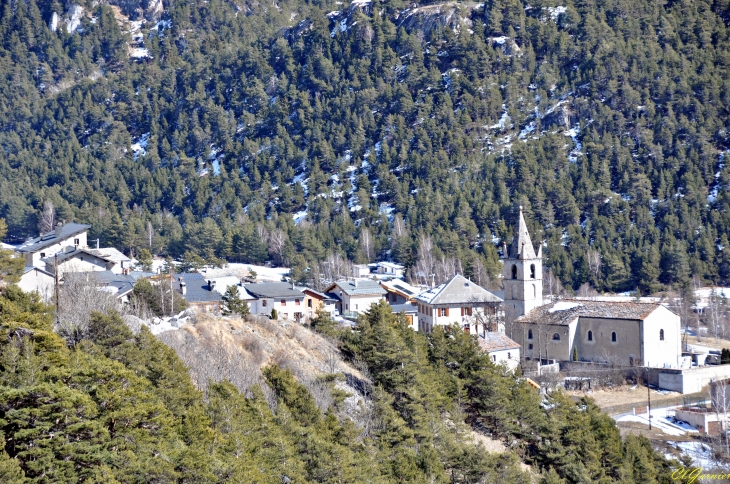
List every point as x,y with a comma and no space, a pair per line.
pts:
565,311
521,247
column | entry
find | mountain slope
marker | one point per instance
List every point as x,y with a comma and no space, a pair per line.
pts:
223,122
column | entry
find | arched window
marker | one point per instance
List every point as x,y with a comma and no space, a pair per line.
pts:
590,335
514,271
613,337
532,271
529,334
556,337
661,335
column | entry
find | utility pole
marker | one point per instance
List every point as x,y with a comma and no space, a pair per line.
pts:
648,394
55,280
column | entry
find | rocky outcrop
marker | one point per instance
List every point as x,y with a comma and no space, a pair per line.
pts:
456,16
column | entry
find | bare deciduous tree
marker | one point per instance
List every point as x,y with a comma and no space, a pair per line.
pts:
79,296
47,217
594,261
366,243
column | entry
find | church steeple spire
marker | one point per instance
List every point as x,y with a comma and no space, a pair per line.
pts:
521,247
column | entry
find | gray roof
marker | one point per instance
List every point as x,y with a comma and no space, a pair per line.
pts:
323,296
406,308
458,290
117,284
101,277
196,288
274,290
48,239
63,256
496,342
28,269
565,311
361,288
111,253
521,247
332,296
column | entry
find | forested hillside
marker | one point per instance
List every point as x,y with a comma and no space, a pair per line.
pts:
120,408
384,129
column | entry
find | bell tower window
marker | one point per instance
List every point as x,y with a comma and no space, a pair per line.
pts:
532,271
514,271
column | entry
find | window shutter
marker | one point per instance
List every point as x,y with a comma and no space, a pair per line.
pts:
446,312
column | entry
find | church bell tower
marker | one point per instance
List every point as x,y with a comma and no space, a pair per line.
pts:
522,276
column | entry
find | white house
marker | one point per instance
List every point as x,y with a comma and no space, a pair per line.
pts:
77,260
122,263
62,239
361,270
459,301
389,269
356,296
285,298
501,349
38,280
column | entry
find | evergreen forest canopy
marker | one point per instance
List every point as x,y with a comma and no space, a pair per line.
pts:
396,128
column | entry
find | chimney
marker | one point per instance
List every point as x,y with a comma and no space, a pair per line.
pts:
183,288
211,285
58,229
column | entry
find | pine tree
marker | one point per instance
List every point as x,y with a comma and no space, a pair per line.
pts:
233,304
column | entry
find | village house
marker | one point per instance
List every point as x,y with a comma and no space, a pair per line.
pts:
122,263
284,297
356,296
35,279
399,292
63,238
315,300
459,301
389,269
77,260
501,349
120,285
199,293
410,310
627,333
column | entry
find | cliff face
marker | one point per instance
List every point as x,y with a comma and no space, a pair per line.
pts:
456,16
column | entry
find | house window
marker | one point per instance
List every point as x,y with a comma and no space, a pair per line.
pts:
43,254
661,335
534,291
310,314
309,303
466,311
532,271
296,302
590,335
514,271
346,308
556,337
529,347
529,334
357,306
613,337
283,302
76,242
509,356
264,302
443,311
494,358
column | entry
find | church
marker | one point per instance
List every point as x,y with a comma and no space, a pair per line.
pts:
619,332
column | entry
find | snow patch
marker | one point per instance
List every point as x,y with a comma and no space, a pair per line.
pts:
564,306
140,147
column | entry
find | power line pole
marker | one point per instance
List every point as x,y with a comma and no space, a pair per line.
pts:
648,394
55,280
